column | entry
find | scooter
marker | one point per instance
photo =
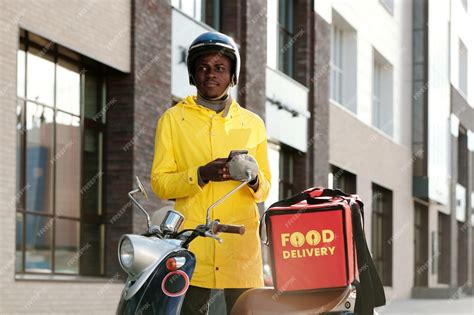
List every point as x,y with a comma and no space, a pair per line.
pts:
159,266
158,263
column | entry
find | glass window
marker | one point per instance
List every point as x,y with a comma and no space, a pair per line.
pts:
382,232
40,79
39,152
388,5
443,254
207,11
38,243
463,68
382,94
59,161
343,63
68,89
336,64
343,180
286,37
286,171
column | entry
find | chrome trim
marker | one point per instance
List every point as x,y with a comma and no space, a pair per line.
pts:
172,222
180,261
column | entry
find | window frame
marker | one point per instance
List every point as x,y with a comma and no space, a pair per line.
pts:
383,242
286,30
59,54
463,75
336,62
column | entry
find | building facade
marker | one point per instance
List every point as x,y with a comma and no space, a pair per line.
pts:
380,106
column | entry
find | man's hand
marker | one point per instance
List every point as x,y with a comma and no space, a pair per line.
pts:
216,171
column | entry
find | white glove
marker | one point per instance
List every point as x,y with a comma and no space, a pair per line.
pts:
243,166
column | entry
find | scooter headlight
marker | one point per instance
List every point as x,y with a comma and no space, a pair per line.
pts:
126,253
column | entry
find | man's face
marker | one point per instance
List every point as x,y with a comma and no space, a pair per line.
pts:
212,74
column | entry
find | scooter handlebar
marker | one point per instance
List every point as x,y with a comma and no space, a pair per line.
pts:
228,228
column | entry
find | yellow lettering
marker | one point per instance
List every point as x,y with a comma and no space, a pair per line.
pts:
309,251
297,239
293,253
313,237
328,236
331,249
324,251
316,252
286,254
284,238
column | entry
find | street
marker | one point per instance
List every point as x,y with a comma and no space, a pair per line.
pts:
463,305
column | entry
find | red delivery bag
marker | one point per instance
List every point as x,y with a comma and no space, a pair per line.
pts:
316,242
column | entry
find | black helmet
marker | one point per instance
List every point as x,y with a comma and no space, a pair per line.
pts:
214,42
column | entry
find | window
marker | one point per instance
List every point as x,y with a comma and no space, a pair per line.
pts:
343,86
382,94
286,171
286,37
382,232
421,245
388,5
336,64
343,180
443,254
462,69
207,11
60,126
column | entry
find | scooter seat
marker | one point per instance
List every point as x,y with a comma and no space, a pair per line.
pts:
266,301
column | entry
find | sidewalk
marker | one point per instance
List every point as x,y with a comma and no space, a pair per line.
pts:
463,305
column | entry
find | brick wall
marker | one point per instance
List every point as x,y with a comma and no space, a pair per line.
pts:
246,22
80,26
152,88
318,137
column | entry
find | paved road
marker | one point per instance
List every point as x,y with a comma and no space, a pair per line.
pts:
461,306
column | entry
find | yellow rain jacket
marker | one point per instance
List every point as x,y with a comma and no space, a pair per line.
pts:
188,136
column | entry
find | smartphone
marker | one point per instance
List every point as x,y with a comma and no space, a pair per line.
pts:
236,152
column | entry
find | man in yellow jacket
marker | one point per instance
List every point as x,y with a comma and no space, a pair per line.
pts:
193,140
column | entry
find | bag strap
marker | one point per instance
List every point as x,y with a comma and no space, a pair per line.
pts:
370,291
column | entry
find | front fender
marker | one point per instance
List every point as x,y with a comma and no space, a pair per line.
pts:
151,299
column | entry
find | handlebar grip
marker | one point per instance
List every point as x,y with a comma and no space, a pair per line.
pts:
228,228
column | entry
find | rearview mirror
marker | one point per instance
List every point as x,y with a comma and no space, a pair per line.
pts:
141,187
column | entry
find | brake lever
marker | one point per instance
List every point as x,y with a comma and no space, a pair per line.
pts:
211,235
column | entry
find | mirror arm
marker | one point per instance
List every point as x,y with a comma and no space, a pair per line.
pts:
218,202
148,221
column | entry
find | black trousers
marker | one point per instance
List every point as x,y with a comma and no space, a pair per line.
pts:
197,300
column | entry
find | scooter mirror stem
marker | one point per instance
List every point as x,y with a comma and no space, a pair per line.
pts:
130,195
218,202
